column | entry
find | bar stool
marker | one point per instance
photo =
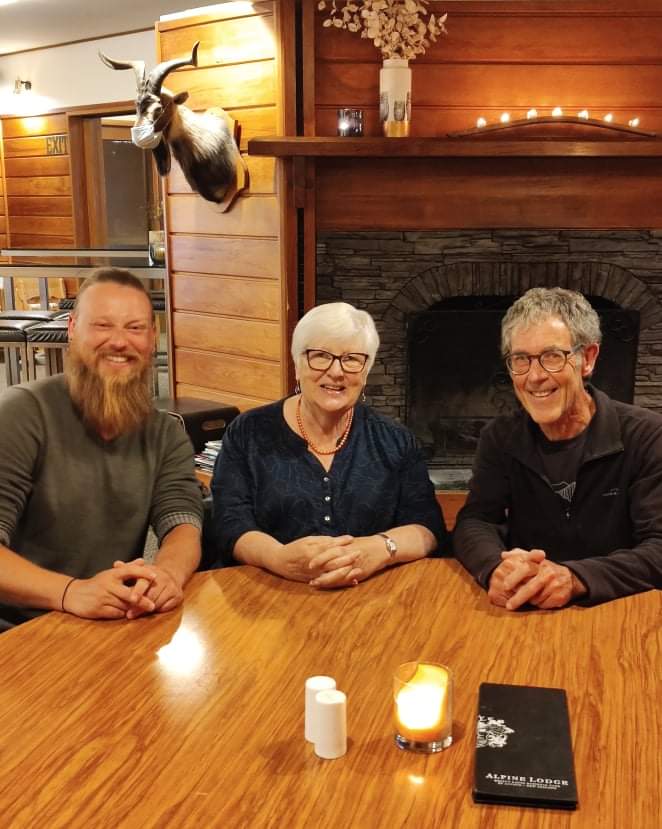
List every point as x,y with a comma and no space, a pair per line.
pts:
53,338
13,341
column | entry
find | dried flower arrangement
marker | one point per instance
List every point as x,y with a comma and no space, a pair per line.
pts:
398,28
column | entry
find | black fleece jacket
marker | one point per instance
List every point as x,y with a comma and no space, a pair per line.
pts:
611,533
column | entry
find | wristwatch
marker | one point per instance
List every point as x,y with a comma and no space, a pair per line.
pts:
391,546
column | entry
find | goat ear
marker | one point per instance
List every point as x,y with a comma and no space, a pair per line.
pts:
162,157
180,97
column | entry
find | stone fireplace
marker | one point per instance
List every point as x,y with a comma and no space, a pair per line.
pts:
406,278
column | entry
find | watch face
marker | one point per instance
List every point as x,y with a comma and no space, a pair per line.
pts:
391,546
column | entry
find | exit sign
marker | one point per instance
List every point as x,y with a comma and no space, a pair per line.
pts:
56,145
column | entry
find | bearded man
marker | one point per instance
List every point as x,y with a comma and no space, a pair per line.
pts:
87,465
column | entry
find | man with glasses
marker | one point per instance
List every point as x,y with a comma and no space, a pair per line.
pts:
565,502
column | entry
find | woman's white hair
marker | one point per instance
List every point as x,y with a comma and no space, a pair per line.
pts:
335,322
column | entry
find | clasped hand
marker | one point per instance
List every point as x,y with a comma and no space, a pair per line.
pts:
128,590
529,576
326,561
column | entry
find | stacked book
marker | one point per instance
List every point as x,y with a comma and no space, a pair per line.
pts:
206,459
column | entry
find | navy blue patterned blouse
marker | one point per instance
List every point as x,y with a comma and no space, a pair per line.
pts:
266,479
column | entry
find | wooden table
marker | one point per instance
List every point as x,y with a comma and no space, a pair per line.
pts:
195,718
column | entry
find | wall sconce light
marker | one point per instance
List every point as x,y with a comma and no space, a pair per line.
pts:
21,86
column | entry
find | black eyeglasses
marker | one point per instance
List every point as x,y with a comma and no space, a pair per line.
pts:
552,360
319,360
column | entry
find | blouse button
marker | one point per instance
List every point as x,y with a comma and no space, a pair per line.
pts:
325,479
327,497
327,518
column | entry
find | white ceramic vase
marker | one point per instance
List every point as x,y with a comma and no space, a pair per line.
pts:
395,97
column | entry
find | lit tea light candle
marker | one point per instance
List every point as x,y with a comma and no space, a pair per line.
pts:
633,122
532,113
481,122
583,114
557,112
608,118
422,697
505,117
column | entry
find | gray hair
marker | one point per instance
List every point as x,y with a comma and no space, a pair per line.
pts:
538,304
335,321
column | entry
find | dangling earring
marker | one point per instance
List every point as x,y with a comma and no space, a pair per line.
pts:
363,395
297,387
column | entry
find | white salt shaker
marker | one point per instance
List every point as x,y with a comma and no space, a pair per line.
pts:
315,684
331,728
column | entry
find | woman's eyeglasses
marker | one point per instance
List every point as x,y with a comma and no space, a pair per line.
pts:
319,360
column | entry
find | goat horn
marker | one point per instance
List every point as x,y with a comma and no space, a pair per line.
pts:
138,67
158,74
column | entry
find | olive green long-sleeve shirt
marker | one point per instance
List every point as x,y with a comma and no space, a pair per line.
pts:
73,503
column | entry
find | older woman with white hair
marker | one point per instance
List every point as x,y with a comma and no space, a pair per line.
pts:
318,487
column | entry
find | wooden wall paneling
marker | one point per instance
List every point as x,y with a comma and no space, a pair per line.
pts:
227,296
77,169
309,57
40,205
286,17
51,165
228,335
38,125
4,211
226,372
94,192
498,85
241,40
505,57
438,194
524,34
45,225
257,216
38,240
39,186
230,398
229,256
38,191
232,87
226,269
228,12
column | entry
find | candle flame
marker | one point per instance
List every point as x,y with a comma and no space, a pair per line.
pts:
532,113
583,114
608,117
557,112
505,117
481,122
633,122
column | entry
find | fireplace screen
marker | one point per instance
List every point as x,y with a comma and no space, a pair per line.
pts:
457,381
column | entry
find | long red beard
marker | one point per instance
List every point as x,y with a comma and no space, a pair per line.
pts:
110,405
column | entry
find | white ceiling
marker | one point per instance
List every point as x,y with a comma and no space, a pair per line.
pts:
29,24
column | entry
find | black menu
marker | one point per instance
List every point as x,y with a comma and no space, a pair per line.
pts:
523,747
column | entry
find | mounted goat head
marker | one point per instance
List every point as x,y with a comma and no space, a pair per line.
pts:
202,144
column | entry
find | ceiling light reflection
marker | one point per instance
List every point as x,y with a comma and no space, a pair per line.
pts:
184,654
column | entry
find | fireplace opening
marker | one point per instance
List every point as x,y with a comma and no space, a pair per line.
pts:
457,382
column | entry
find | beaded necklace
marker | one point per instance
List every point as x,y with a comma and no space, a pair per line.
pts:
342,440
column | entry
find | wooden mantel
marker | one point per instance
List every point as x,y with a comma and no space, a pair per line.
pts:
327,147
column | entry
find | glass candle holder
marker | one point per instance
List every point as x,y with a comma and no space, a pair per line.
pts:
350,122
423,707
